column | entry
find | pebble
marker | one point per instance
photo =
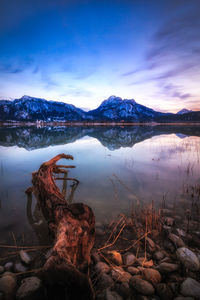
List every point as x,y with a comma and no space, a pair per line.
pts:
8,266
123,289
167,267
30,289
19,268
1,269
151,246
169,221
115,257
104,281
129,259
190,287
108,295
133,270
8,285
95,257
119,275
158,255
25,258
142,286
164,291
188,259
102,267
151,275
178,242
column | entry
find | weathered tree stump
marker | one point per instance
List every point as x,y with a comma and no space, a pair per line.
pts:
65,272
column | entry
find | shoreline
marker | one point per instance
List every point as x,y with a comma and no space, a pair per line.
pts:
91,124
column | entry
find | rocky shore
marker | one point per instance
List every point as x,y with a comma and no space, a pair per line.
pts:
134,258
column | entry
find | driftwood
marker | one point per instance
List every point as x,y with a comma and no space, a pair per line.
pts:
65,272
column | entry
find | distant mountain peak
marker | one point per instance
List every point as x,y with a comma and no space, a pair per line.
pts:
183,111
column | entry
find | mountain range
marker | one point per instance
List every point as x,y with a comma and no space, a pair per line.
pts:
114,109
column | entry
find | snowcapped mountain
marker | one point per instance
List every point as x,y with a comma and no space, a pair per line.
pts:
183,111
116,109
31,109
111,110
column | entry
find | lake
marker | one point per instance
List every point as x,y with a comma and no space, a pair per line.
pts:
118,168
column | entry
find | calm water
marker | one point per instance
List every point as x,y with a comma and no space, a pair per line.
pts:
117,168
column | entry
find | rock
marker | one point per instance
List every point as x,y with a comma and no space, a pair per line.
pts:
151,246
30,289
168,245
190,287
123,289
142,286
49,253
151,275
145,263
180,232
102,267
8,286
111,295
25,258
119,275
129,259
167,267
1,269
104,281
108,295
169,221
178,242
133,270
8,266
19,268
115,257
95,257
158,255
164,291
188,259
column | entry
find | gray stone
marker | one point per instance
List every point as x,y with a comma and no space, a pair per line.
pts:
1,269
151,246
111,295
119,275
178,242
123,289
188,259
20,268
104,281
158,255
129,259
190,287
167,267
142,286
102,267
30,289
25,258
8,266
164,291
151,275
8,286
133,270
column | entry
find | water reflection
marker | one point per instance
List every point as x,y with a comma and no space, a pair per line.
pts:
117,167
112,138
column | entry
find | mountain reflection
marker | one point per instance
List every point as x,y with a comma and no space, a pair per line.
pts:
112,138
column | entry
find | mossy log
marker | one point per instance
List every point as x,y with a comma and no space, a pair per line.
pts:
73,227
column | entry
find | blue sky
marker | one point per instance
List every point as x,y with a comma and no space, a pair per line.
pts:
81,52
